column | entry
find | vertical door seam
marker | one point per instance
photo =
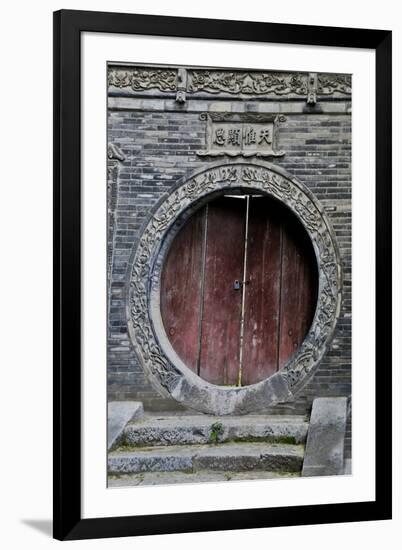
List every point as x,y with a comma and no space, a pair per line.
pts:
278,346
243,296
201,313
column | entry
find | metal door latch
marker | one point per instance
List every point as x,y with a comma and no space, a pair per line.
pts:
238,284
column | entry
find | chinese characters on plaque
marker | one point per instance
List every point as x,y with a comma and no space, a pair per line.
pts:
244,134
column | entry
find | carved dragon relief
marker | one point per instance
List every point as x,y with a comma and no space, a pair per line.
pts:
269,181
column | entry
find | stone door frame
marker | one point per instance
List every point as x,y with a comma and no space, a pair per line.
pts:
166,371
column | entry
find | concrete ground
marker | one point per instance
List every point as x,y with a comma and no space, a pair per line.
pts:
168,478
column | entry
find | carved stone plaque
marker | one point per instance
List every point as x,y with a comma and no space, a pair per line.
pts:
241,134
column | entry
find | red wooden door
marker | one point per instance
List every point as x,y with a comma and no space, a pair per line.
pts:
299,288
181,290
221,315
281,293
262,291
242,335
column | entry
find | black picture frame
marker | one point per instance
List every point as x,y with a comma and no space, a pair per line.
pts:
68,522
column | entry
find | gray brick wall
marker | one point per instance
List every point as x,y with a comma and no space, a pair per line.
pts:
159,138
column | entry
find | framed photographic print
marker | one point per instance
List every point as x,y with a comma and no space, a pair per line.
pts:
222,274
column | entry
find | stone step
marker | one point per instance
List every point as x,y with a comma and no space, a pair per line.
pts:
237,457
164,430
204,476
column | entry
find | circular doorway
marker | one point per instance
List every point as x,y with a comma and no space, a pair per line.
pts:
239,289
165,368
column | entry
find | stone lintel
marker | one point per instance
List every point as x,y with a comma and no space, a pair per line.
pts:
163,104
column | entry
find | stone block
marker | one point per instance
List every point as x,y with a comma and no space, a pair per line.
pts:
118,414
324,455
198,429
227,457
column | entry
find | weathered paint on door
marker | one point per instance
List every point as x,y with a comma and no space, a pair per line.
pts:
202,310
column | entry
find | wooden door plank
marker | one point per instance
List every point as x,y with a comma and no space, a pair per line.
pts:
181,290
220,332
298,288
261,313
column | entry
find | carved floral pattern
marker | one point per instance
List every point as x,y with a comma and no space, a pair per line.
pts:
299,201
144,79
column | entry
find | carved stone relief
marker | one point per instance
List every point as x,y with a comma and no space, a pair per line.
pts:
115,153
165,369
138,78
183,81
114,156
328,84
251,83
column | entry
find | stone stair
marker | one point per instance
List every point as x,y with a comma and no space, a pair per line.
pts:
172,448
